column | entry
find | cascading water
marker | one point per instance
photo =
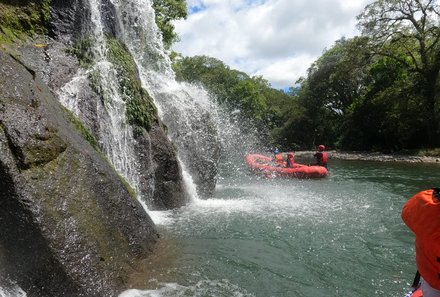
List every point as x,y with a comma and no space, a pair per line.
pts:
115,134
193,119
187,110
12,292
195,124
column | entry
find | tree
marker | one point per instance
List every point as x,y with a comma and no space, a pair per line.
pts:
166,12
385,117
408,32
334,81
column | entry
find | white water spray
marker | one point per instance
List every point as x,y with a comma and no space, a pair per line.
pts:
191,116
187,111
12,292
115,134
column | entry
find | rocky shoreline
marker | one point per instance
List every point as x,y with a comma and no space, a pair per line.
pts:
373,156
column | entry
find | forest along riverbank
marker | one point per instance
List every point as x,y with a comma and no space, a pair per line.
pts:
372,156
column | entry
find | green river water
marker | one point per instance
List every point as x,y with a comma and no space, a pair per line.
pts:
338,236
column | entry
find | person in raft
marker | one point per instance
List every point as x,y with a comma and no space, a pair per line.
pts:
421,214
321,156
290,160
278,158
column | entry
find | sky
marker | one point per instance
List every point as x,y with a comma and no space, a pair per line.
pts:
277,39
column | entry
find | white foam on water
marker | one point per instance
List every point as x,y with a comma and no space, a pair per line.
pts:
161,218
193,118
271,201
202,288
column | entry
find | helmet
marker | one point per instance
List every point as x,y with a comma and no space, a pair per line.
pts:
276,151
321,147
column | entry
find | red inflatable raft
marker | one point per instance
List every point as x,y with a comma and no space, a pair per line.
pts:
266,166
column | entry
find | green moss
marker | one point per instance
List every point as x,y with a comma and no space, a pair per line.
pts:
85,133
89,214
140,109
46,149
24,19
129,188
83,50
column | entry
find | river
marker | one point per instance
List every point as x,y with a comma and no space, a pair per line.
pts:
338,236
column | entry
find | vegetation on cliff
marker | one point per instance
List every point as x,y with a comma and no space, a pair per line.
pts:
61,198
19,19
140,109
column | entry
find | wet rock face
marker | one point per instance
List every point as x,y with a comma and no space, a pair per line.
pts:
68,225
167,172
67,19
160,173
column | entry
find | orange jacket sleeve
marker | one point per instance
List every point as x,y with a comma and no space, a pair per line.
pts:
422,215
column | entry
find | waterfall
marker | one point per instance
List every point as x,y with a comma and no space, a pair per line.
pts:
115,134
186,110
195,124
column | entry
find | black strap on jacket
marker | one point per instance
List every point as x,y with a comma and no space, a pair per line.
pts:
416,281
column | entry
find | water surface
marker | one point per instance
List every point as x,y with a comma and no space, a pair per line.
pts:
338,236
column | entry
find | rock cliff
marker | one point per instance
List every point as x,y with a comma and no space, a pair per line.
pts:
68,224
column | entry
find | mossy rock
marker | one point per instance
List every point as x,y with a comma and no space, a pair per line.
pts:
83,51
22,19
85,133
140,109
82,230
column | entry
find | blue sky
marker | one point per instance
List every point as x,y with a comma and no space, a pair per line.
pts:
278,39
196,9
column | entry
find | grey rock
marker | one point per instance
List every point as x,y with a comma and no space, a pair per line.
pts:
68,225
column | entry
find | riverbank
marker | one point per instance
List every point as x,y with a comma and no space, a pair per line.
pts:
374,156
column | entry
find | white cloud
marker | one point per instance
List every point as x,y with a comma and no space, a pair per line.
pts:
277,39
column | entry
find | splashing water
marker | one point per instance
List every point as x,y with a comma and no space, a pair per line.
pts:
195,123
12,292
200,129
340,236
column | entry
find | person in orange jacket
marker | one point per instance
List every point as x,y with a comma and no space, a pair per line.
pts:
278,158
321,156
422,215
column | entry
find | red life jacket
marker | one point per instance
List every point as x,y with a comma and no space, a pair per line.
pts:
422,215
324,158
321,158
290,160
279,159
